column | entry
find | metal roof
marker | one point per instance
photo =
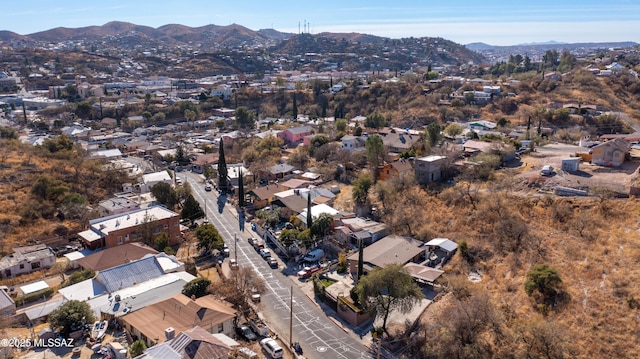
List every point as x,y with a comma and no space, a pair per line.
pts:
129,274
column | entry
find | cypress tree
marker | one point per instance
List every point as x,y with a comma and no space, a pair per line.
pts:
240,190
223,175
360,259
309,217
295,107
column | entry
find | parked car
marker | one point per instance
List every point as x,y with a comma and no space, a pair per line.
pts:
245,331
272,348
233,264
225,250
306,272
207,188
273,263
265,253
252,241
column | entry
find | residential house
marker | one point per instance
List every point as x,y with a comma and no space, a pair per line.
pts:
280,170
26,259
352,143
262,196
610,153
398,142
7,305
179,314
429,169
128,287
440,249
117,205
316,211
482,125
474,147
224,112
115,256
290,205
295,134
364,229
398,168
202,162
388,250
267,133
194,343
151,179
476,97
132,226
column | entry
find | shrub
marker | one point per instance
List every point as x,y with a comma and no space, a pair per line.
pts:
34,297
78,277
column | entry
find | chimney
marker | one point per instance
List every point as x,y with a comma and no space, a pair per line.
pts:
169,333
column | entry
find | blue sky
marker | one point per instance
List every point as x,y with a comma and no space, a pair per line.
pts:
495,22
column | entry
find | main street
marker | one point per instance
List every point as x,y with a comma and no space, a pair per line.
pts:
318,335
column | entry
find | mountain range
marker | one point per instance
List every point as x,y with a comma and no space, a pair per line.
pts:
171,34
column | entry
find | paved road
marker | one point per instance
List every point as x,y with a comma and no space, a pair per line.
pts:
318,335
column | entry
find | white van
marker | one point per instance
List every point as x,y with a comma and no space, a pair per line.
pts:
272,348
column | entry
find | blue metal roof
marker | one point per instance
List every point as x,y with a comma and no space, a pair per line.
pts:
129,274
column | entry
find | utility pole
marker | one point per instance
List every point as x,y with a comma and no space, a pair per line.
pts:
235,249
291,317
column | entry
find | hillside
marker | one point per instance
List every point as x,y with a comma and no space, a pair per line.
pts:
45,194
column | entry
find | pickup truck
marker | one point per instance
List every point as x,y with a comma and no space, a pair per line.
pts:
306,272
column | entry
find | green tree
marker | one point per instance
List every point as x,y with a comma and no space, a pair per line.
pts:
240,189
48,189
244,118
70,315
197,287
208,237
360,259
9,133
78,277
181,156
295,106
375,154
361,186
357,131
544,281
387,289
321,225
223,174
161,242
375,120
453,130
309,215
433,134
191,209
164,194
138,347
341,125
73,205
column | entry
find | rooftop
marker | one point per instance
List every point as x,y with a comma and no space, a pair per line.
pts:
115,256
181,313
389,250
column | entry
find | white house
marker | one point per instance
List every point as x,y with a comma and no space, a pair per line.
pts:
352,143
26,260
150,179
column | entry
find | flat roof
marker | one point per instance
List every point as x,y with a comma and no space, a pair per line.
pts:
34,287
130,219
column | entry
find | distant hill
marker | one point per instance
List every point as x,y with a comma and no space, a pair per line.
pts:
550,45
377,52
209,35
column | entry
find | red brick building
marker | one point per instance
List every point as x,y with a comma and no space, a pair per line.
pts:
132,226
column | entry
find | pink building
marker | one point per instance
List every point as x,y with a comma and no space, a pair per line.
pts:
295,134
